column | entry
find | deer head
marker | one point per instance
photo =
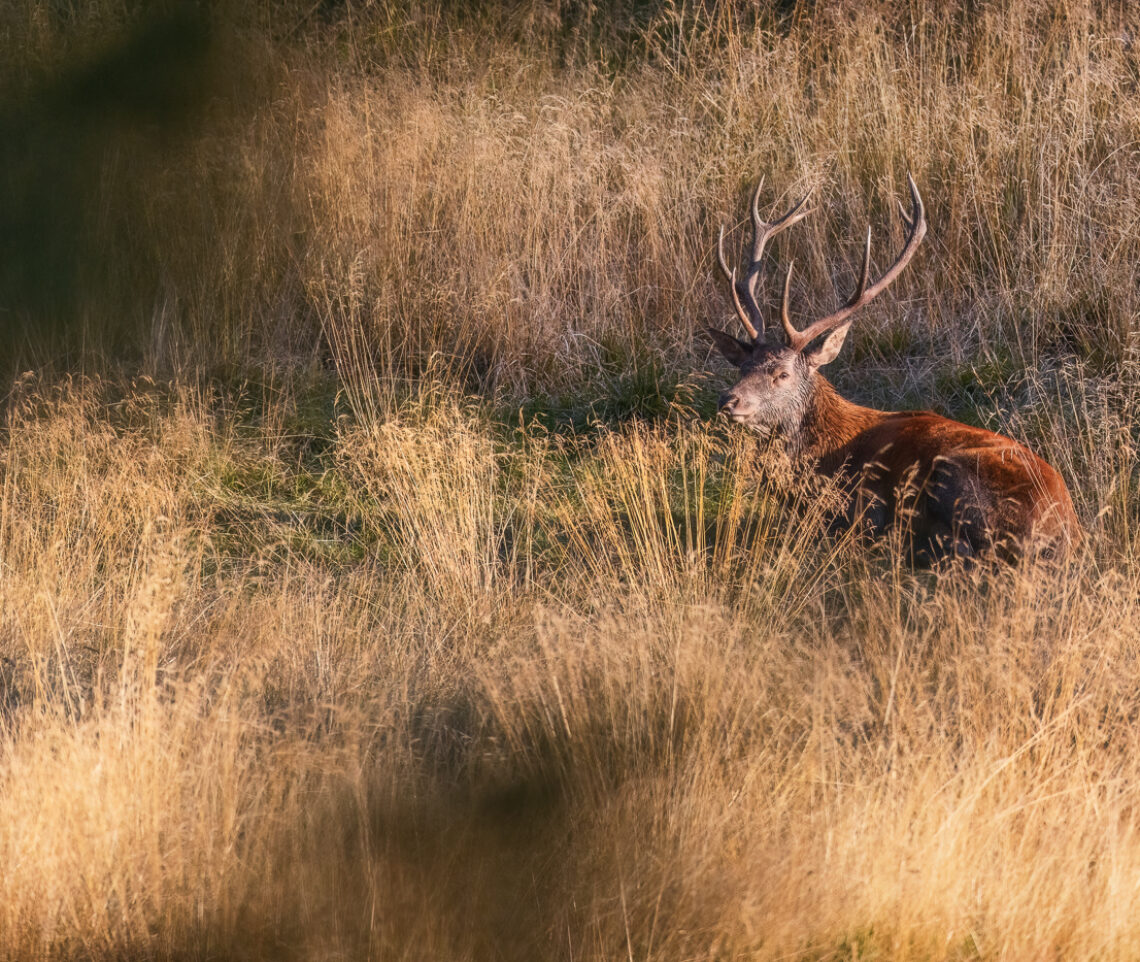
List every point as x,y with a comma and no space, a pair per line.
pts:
777,380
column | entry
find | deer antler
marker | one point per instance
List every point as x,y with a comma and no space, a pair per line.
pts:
744,291
916,223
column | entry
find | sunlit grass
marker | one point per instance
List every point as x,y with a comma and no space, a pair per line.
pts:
416,607
554,696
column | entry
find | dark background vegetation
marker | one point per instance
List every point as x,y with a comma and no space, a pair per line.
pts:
164,204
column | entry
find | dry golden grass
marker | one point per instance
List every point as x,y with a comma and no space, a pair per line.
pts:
577,698
533,199
388,663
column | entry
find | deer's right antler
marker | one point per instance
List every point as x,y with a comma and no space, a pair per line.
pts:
744,290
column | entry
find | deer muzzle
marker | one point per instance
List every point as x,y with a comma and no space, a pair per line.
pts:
730,405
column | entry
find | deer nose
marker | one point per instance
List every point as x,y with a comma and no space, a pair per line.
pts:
727,403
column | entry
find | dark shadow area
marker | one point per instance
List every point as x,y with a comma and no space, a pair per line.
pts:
78,137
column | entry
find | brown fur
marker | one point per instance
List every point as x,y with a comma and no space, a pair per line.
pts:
966,490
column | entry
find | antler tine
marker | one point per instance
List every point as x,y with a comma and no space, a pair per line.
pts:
740,311
785,317
865,272
903,214
762,232
730,276
757,220
916,224
720,255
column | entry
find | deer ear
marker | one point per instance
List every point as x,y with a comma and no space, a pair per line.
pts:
829,349
736,352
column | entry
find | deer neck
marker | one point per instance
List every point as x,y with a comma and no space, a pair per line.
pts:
830,423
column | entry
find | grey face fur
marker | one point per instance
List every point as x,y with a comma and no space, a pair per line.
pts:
776,382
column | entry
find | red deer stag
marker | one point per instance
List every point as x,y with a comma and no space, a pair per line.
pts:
965,492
